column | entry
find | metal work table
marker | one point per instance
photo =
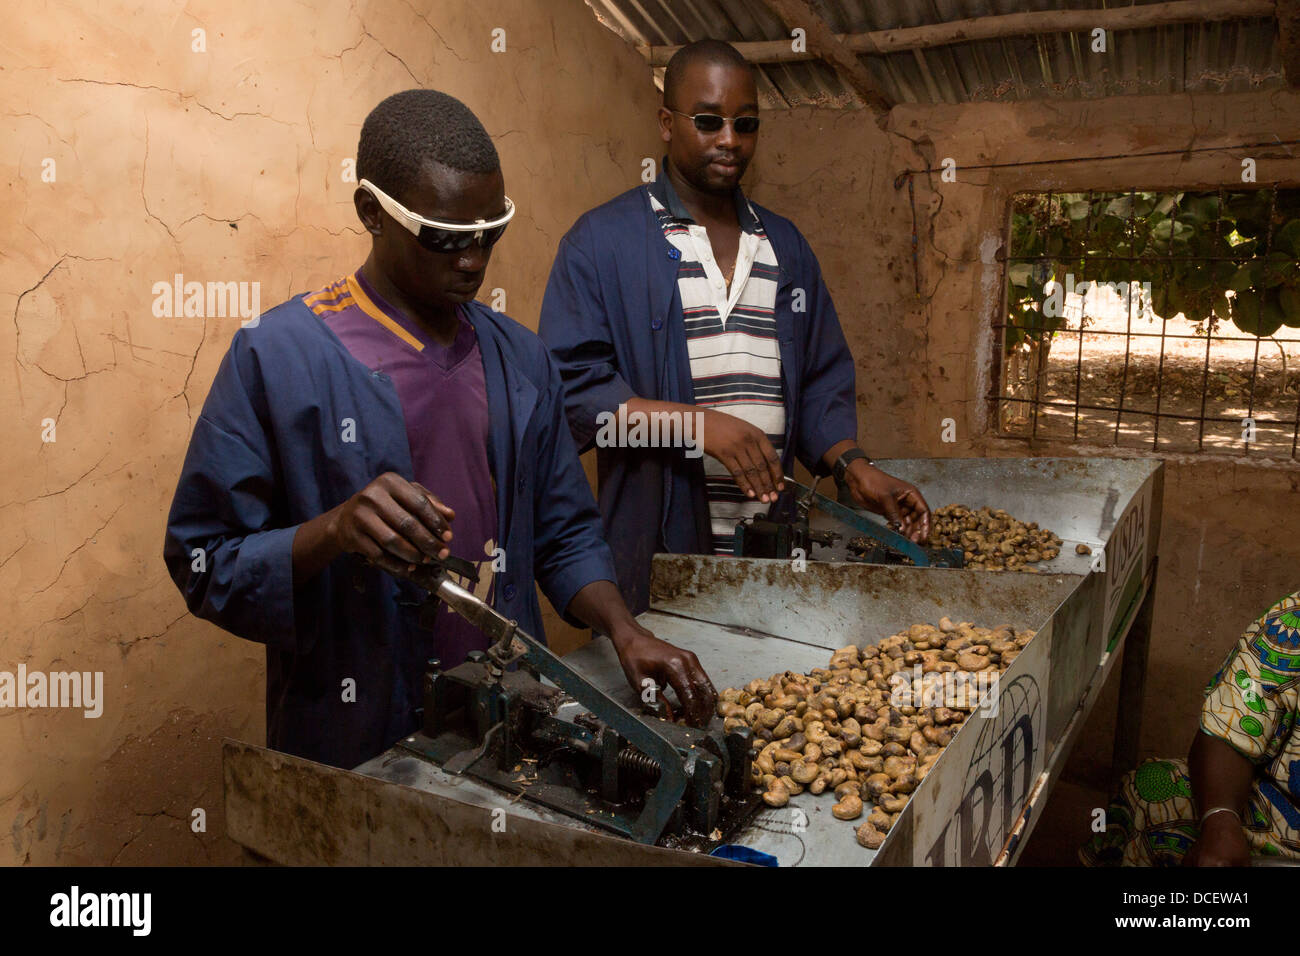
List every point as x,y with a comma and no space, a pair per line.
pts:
747,618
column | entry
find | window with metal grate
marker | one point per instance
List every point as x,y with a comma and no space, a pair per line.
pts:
1160,320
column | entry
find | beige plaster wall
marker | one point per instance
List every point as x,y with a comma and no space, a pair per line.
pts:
225,165
924,357
222,165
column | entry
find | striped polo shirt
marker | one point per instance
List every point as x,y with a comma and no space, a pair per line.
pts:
730,339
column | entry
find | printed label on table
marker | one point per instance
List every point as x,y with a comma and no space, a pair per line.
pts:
970,800
1126,561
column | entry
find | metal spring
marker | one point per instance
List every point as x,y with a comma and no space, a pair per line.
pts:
634,761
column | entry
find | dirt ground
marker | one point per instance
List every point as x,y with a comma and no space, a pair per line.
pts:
1244,377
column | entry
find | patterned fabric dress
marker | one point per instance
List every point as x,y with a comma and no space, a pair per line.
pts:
1251,705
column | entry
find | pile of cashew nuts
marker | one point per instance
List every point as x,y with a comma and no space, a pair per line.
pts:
864,726
992,539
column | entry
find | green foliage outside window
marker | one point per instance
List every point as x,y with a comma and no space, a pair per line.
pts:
1209,256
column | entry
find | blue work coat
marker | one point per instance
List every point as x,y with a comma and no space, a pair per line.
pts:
612,316
270,451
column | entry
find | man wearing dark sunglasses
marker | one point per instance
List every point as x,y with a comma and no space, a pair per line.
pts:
685,297
350,430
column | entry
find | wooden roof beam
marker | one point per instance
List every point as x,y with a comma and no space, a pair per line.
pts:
823,43
1004,26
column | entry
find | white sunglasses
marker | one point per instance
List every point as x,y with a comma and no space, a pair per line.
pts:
437,235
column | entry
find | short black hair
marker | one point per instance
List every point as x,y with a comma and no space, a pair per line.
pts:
717,52
410,128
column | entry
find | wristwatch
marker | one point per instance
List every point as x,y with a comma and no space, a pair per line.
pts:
841,466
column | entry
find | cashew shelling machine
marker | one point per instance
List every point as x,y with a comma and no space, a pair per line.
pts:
527,758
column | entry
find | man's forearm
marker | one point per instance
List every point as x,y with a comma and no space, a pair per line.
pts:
651,406
1221,777
648,406
601,607
315,545
834,452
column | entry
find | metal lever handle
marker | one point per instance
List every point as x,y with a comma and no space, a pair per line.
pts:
848,516
512,643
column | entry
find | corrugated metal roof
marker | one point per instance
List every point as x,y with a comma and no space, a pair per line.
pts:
1227,56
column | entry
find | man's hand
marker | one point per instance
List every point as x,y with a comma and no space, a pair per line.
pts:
892,497
1222,843
601,606
395,524
745,451
645,656
741,447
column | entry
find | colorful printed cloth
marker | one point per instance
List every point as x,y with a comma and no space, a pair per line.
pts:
1250,704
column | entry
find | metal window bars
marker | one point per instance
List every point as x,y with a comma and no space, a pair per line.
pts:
1193,249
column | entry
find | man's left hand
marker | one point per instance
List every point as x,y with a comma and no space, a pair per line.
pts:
645,656
892,497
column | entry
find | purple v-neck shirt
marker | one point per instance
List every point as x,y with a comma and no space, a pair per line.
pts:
444,401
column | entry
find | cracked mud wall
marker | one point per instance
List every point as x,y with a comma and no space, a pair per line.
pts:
224,165
923,342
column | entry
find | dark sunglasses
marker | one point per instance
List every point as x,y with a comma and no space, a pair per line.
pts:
437,235
712,122
447,240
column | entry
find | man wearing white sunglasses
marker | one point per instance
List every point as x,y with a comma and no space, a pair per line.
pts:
352,429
